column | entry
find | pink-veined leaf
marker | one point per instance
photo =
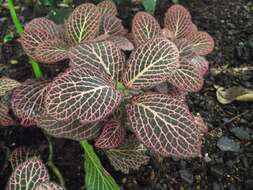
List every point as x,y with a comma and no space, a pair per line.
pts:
187,78
28,175
201,63
28,101
131,155
31,38
112,26
177,93
151,63
100,56
48,186
51,51
70,130
201,125
112,135
144,28
82,93
83,23
5,117
165,124
166,33
122,43
21,154
178,21
202,42
7,84
185,48
107,7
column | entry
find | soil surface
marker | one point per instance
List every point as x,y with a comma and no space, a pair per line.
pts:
230,22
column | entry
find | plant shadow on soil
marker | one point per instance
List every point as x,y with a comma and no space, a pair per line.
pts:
230,22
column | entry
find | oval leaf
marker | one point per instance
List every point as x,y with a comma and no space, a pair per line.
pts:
28,101
49,186
144,28
7,84
202,43
28,175
187,78
82,93
107,7
20,155
73,130
185,49
201,64
111,136
165,124
98,55
83,23
151,63
178,21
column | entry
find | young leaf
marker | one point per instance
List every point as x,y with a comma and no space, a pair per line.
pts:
202,43
49,186
112,26
82,93
178,21
165,124
111,136
5,118
185,49
151,63
144,28
131,155
202,127
83,23
70,130
98,55
187,78
149,6
51,51
201,64
20,155
107,7
28,175
7,84
28,101
96,176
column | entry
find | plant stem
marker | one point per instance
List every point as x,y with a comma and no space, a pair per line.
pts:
19,28
51,164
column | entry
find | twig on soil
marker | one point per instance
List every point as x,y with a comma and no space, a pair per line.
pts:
51,164
234,118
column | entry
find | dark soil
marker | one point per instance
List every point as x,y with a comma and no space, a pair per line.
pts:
230,22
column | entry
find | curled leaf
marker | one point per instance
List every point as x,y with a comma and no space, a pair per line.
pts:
28,101
144,28
164,124
151,63
7,84
131,155
82,93
111,136
83,23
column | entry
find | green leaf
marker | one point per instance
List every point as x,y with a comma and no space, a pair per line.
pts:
96,176
8,37
149,6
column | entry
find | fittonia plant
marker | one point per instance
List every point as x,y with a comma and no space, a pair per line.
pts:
109,98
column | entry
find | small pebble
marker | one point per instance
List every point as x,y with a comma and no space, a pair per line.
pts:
226,144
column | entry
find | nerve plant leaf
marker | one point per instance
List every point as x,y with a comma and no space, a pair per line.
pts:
21,154
185,49
112,135
151,63
5,118
131,155
164,124
178,21
201,64
70,130
82,93
144,28
187,78
28,101
122,43
83,23
49,186
202,127
28,175
98,55
96,176
7,84
107,7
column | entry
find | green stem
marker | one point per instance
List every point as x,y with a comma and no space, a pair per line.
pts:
51,164
19,28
